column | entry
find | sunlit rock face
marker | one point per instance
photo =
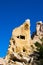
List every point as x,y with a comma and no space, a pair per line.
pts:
3,61
39,28
21,36
39,32
20,45
22,33
21,39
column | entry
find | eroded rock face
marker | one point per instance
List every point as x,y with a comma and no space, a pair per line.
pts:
39,32
39,29
3,61
20,40
20,44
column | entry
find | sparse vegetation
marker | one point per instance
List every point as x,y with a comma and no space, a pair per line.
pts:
38,54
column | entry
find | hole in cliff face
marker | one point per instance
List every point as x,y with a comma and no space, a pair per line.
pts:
13,49
21,37
17,36
32,46
24,49
26,26
14,42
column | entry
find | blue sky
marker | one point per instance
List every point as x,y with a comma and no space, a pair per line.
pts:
12,14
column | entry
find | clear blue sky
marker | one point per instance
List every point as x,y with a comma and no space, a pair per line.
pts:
13,13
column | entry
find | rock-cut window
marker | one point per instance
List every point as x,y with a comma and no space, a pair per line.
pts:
21,37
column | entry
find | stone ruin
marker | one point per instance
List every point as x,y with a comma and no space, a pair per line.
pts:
21,45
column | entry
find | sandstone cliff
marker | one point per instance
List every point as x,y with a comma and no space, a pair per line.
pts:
21,45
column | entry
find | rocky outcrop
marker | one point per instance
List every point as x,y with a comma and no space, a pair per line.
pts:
36,36
21,47
3,62
39,28
20,44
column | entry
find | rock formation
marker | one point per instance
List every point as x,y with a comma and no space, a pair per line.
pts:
20,40
39,32
39,28
3,61
21,45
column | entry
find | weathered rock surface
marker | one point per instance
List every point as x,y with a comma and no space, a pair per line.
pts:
3,61
39,32
21,45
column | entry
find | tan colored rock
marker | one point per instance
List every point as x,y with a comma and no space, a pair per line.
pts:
20,41
3,61
36,39
21,45
39,32
18,63
39,29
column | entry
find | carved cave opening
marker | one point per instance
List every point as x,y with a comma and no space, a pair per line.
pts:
21,37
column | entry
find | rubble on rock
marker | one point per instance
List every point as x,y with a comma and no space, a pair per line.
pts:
21,45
